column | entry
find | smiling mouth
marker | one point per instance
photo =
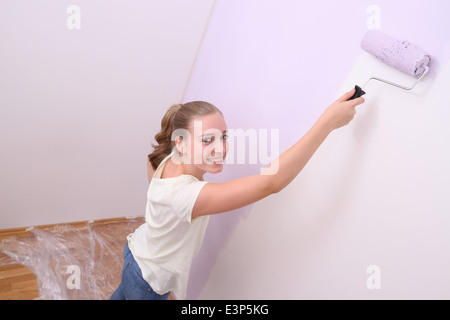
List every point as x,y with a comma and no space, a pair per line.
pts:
215,160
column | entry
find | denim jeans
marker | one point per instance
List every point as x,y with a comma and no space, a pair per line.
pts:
133,285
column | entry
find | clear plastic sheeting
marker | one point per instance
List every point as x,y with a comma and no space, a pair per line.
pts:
73,262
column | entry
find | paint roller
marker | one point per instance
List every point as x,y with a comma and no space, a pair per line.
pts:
399,54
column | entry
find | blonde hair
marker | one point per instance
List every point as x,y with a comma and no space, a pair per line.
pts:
179,116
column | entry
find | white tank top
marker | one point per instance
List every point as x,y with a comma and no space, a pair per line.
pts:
166,243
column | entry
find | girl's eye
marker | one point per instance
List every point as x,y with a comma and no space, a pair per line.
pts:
210,139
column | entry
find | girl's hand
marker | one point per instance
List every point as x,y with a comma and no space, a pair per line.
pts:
341,112
171,296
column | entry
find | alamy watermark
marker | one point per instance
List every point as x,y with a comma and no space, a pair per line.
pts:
374,280
373,22
73,21
235,146
74,280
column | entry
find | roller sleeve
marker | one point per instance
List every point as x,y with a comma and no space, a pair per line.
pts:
399,54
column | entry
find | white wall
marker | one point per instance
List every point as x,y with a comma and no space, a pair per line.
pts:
80,107
376,192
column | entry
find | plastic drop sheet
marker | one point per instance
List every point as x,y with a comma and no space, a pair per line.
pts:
82,262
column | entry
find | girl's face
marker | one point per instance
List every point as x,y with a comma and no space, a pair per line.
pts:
205,147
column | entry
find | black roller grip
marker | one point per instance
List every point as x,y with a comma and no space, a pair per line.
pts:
358,93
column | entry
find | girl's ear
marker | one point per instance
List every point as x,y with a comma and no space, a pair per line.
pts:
179,144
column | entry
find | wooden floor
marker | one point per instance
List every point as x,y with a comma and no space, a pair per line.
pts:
17,282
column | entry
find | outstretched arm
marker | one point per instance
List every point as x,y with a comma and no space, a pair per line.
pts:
230,195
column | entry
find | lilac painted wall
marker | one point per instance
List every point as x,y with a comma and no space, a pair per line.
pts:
277,65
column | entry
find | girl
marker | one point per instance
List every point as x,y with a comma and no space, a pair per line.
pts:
192,141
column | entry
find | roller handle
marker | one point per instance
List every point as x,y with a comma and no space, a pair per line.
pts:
358,93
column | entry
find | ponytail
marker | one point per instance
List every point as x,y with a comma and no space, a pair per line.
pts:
178,116
164,137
